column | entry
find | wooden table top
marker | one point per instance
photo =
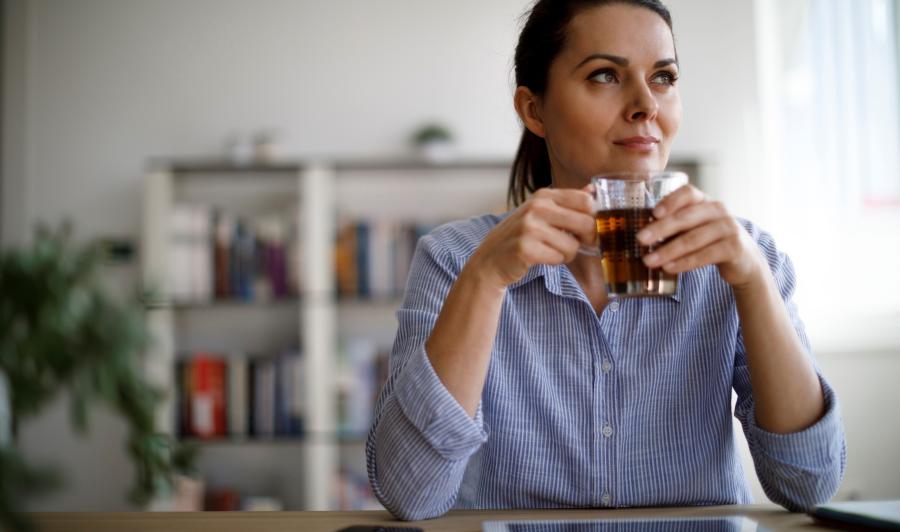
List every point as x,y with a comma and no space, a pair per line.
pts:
768,516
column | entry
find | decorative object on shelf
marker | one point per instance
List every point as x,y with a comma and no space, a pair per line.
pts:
262,147
267,147
60,331
240,149
434,143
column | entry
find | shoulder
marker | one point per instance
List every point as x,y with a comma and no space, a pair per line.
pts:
764,241
779,262
456,241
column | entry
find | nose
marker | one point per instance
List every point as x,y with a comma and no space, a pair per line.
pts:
643,105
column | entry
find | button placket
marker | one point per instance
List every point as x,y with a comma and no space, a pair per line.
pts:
607,430
606,365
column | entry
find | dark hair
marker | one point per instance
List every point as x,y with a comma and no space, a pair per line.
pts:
541,40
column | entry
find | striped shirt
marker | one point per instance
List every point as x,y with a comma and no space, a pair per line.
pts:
631,407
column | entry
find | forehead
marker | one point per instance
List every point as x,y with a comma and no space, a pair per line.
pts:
635,33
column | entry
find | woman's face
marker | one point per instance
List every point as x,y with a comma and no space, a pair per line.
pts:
611,102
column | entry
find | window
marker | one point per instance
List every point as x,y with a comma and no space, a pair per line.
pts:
830,104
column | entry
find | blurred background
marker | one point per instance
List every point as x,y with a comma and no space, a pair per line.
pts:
268,165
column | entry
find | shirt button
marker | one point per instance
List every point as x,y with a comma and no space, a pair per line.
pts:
606,499
606,366
607,431
614,306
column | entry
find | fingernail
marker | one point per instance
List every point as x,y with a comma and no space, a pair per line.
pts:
645,236
651,259
659,211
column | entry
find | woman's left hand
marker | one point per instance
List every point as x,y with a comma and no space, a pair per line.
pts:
702,232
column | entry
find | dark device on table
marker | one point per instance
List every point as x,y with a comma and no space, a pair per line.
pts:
379,528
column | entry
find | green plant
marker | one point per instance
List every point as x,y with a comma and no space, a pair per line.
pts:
60,331
431,133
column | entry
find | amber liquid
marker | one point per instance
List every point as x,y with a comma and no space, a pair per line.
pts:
621,255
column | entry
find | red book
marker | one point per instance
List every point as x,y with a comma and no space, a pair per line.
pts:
207,396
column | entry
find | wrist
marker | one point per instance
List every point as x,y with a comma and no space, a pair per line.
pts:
758,279
481,278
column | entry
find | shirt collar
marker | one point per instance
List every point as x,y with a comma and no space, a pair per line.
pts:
550,275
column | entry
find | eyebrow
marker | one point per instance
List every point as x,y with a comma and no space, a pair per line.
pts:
621,61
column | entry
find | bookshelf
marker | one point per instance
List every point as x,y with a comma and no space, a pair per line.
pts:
339,333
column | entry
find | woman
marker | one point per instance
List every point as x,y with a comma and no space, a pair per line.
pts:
516,383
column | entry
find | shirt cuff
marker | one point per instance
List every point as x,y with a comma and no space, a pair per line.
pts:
813,446
441,420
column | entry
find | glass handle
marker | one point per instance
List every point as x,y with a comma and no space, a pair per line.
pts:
590,250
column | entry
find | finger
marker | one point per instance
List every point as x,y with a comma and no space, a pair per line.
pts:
689,242
716,253
680,198
561,241
682,220
539,252
545,210
570,198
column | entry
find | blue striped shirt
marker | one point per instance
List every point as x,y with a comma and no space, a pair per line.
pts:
631,407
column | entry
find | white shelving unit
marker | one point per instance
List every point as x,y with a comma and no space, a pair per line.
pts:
302,470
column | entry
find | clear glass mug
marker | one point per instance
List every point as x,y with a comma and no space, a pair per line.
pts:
623,205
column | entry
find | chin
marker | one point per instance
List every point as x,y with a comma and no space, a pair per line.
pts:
631,164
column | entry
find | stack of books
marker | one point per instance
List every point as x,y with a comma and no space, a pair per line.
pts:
238,396
372,257
216,255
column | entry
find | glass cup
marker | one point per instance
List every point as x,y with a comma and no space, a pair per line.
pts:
623,205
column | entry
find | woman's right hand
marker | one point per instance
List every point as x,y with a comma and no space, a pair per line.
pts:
546,229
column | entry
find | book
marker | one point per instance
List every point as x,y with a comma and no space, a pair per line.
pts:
204,383
237,396
224,230
263,405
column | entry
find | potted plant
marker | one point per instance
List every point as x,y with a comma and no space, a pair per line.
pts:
434,143
59,331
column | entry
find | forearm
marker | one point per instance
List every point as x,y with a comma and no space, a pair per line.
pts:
460,344
787,393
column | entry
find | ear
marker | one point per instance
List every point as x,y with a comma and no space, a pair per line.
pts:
528,107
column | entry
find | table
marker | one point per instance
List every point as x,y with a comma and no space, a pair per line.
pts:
769,516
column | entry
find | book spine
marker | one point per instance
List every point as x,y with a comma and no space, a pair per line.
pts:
362,260
222,249
207,407
237,396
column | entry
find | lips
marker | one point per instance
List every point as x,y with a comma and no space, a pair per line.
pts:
640,144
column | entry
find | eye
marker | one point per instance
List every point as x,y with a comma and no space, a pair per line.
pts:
665,77
605,75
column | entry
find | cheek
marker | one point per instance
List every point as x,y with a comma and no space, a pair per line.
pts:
580,122
670,117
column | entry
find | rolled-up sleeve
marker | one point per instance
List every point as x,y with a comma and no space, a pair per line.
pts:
801,469
419,444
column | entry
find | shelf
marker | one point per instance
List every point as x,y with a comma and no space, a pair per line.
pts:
226,167
419,164
223,166
309,298
277,440
231,303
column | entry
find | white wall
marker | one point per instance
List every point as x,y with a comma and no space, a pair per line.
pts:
112,82
108,83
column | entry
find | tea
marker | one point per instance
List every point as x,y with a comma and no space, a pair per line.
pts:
621,255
